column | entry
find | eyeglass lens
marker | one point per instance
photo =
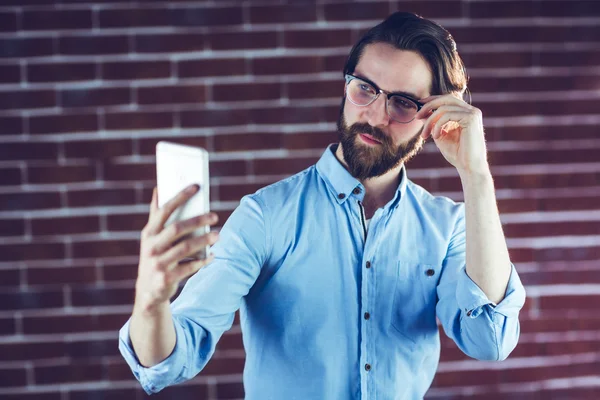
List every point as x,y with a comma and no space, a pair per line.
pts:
399,108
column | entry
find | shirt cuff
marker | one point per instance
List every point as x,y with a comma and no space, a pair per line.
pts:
157,377
472,300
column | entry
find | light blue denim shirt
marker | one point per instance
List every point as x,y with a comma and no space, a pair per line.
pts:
329,310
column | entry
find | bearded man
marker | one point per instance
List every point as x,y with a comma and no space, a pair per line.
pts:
340,271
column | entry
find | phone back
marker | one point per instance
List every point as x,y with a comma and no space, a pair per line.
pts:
177,167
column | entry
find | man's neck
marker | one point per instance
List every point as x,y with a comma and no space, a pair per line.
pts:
378,190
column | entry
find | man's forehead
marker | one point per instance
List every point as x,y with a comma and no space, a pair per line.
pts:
395,70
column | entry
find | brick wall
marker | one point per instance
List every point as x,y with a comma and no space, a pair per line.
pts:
88,88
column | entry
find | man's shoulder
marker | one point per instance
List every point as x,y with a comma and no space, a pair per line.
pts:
286,188
435,202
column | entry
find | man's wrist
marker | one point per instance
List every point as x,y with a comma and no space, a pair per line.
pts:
150,310
478,176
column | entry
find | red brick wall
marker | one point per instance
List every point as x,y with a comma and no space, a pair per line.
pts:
87,89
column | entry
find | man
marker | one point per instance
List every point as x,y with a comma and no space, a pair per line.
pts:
340,271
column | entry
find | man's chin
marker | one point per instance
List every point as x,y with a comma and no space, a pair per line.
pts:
365,164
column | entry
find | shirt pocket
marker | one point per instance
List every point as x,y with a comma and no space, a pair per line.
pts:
413,308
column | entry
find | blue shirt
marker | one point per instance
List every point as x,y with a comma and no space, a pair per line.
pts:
327,309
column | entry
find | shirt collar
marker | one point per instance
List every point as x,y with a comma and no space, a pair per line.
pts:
343,185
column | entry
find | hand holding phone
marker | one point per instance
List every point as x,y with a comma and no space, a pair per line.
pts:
160,270
178,228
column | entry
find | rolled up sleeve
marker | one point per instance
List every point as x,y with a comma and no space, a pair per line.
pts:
155,378
471,299
481,329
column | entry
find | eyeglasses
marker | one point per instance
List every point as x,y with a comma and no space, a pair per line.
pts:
399,107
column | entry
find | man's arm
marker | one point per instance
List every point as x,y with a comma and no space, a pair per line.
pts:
166,346
152,335
151,329
457,129
481,328
488,262
479,293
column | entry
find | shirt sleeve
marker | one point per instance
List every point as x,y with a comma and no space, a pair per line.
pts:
206,307
480,328
169,370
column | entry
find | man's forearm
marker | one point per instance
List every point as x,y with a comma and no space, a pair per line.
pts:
488,261
152,335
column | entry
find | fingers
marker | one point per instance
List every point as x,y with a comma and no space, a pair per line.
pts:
187,248
160,215
435,116
167,236
154,202
184,270
436,131
435,102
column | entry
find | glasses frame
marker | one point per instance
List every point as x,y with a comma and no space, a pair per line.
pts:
389,95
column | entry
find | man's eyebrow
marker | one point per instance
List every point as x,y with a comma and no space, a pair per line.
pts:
400,92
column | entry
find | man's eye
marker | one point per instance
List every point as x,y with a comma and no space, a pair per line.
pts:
366,88
404,104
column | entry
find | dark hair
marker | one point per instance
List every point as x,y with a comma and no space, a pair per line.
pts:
408,31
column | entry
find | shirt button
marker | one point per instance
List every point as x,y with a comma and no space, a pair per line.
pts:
368,367
430,272
367,315
469,313
368,264
341,196
356,190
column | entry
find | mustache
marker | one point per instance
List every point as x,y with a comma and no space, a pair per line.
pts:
358,128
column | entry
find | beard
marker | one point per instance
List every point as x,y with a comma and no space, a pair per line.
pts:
366,161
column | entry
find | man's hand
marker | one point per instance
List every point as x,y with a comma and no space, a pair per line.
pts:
159,271
457,129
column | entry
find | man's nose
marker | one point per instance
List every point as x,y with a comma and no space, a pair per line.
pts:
377,112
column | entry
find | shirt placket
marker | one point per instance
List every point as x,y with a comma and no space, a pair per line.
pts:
367,287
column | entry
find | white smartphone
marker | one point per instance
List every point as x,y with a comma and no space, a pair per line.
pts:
177,167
